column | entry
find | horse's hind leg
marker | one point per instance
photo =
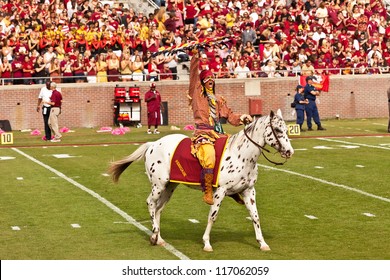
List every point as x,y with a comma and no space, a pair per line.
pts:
156,202
249,196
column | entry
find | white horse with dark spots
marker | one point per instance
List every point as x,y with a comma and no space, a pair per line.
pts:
238,171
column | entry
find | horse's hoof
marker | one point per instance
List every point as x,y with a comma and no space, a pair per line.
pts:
153,240
161,242
265,248
207,248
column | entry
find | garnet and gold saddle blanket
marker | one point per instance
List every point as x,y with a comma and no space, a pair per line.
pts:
185,168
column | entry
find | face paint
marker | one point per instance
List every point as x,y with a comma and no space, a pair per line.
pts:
207,79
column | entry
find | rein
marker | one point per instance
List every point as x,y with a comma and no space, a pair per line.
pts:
263,147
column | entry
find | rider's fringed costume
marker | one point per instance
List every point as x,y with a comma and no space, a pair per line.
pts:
208,109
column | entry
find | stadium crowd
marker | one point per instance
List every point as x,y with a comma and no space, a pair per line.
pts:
92,41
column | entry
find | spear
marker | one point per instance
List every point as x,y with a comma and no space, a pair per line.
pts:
201,43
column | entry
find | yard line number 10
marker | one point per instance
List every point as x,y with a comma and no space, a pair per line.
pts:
7,138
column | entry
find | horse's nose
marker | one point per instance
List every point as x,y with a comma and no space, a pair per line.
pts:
289,153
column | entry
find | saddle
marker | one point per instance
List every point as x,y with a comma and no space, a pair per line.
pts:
185,168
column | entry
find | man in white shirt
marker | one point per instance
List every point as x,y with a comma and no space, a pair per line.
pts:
242,71
43,98
374,51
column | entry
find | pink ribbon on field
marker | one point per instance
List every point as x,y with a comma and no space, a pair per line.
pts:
189,127
64,129
35,132
120,131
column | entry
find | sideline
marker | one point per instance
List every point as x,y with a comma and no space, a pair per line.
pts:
326,182
126,216
352,143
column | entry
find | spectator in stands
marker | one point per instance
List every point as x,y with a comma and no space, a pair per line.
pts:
17,69
82,26
269,68
334,67
91,69
281,70
374,51
67,69
113,66
79,69
248,35
362,66
125,67
7,50
256,70
55,70
28,70
6,71
307,69
153,70
101,68
137,68
215,64
223,72
204,62
172,62
39,70
191,11
166,73
249,48
242,70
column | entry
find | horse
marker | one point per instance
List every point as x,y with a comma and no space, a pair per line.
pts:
238,171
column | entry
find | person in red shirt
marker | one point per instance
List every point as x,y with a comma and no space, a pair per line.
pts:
153,101
191,12
166,73
17,69
28,70
334,67
216,64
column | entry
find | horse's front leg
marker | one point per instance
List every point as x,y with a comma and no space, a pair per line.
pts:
249,197
219,195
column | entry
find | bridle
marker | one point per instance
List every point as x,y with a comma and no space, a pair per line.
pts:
262,148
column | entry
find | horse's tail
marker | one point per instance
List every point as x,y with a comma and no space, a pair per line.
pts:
117,167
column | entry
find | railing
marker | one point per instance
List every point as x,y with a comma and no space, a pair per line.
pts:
251,74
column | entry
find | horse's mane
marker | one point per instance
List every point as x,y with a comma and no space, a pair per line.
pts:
238,138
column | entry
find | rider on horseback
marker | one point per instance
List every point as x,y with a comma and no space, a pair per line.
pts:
208,109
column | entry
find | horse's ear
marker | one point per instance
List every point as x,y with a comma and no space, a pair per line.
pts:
272,114
279,113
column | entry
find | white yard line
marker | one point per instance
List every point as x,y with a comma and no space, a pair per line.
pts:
351,143
326,182
126,216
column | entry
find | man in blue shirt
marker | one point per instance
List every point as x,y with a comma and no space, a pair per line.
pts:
300,104
310,94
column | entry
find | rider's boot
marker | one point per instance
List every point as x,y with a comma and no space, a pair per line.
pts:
208,174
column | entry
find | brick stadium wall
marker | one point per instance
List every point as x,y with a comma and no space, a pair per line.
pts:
91,105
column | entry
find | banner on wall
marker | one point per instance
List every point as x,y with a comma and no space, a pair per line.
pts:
320,82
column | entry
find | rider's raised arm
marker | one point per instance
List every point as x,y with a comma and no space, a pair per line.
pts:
194,74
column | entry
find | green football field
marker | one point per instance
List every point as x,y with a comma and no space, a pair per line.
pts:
330,201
